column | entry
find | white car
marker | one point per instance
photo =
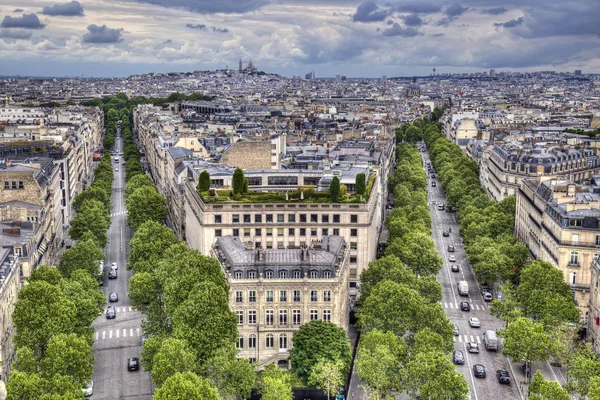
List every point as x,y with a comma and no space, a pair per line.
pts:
116,169
451,258
88,390
114,266
474,322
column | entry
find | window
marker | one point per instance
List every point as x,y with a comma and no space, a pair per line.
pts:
252,317
239,296
296,295
235,218
269,341
237,275
574,258
217,219
280,217
297,275
313,295
314,315
252,341
572,278
269,296
283,275
283,341
247,218
291,232
336,218
269,217
252,275
257,232
251,294
280,245
302,231
327,274
352,259
353,219
597,240
6,185
283,295
258,218
353,245
327,295
240,316
14,184
269,231
313,232
236,232
283,317
296,317
327,315
314,274
353,232
240,342
325,218
218,233
283,180
254,181
247,232
336,231
324,232
269,245
314,218
269,317
291,217
302,217
279,231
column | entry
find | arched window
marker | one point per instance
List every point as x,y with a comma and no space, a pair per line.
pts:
237,275
314,274
327,274
240,342
269,341
283,344
297,274
283,274
252,341
269,274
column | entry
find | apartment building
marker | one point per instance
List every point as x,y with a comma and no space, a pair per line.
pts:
594,315
9,287
274,291
559,221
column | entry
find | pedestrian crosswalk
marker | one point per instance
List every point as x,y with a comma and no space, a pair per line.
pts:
467,339
117,333
118,213
122,309
473,306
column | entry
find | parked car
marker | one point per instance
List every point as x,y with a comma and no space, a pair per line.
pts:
473,347
116,169
474,322
465,306
112,274
458,357
455,268
114,266
113,297
133,364
88,390
445,233
440,207
451,258
433,184
450,249
456,330
479,371
503,376
487,296
111,312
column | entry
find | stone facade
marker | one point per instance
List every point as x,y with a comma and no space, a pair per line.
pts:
9,287
248,155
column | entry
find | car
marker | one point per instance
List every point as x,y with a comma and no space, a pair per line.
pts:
458,357
473,347
487,296
88,390
432,176
455,268
111,312
433,184
444,233
123,163
450,249
474,322
112,274
116,169
451,258
114,266
503,376
113,297
101,280
456,330
133,364
479,371
465,306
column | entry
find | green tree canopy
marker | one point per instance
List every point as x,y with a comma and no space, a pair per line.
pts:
327,376
432,376
148,244
137,182
174,356
85,255
145,204
231,376
93,216
541,389
334,189
187,386
68,355
275,384
203,182
361,184
92,193
237,181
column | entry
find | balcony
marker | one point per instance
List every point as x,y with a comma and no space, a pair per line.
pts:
574,265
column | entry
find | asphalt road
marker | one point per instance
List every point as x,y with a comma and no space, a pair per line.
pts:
117,339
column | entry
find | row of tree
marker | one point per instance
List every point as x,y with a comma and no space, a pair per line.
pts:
406,339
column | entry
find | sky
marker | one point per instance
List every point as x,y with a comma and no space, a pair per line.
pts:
115,38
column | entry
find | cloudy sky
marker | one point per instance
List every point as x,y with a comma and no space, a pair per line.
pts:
293,37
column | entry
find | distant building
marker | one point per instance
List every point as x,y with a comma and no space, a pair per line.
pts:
414,89
492,73
310,76
9,287
578,72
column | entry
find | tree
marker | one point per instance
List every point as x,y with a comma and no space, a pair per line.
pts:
327,376
187,386
334,189
246,183
237,181
204,182
418,252
527,341
88,303
148,244
92,193
541,389
319,340
41,312
380,361
174,356
137,182
425,340
92,216
24,386
594,388
361,184
582,368
47,274
431,376
68,355
494,265
145,204
85,255
232,377
275,384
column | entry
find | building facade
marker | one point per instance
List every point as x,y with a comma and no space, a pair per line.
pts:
594,316
274,291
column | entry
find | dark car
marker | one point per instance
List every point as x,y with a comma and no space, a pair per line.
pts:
101,281
445,233
458,357
503,376
133,364
479,371
465,306
113,297
450,249
433,184
111,312
455,268
112,274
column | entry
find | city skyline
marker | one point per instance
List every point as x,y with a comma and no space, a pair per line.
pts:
97,38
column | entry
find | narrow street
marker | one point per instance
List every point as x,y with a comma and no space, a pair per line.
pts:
116,340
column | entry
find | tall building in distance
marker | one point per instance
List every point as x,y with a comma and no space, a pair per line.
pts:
492,73
310,75
240,65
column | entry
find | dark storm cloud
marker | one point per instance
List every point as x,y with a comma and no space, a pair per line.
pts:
18,10
167,41
211,6
14,34
102,34
412,20
71,9
397,30
494,11
220,30
199,27
584,17
369,12
27,21
438,35
511,24
455,10
418,8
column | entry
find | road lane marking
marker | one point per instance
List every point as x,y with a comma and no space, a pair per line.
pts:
466,338
138,331
103,335
445,305
478,340
97,335
460,338
124,332
117,332
129,308
110,334
472,338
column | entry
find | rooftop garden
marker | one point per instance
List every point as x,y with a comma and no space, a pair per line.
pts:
239,193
